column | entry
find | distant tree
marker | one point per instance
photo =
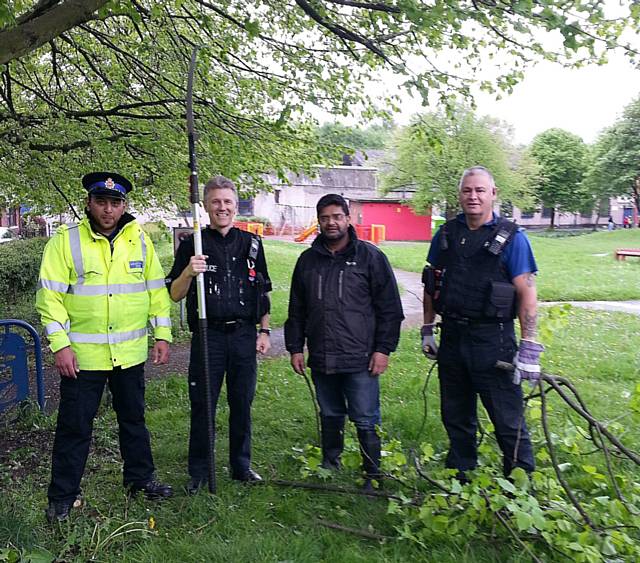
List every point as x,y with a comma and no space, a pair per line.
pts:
615,163
560,156
430,155
353,137
339,142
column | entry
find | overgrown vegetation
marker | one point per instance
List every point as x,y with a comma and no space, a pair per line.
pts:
272,523
19,267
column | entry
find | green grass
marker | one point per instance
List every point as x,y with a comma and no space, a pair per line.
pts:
575,268
268,523
281,259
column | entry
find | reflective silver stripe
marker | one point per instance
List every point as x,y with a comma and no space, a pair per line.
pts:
160,321
144,249
155,284
76,250
53,285
114,338
55,326
114,289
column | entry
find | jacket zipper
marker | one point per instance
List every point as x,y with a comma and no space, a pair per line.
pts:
340,284
320,287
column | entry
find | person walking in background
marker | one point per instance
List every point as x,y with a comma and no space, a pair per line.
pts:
100,285
344,303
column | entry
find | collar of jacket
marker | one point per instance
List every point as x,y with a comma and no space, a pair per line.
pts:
461,218
319,244
217,235
124,220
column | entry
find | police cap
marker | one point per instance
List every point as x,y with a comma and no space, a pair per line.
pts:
107,184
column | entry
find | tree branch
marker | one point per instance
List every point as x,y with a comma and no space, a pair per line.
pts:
340,31
50,20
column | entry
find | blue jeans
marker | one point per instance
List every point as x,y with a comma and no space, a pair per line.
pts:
353,394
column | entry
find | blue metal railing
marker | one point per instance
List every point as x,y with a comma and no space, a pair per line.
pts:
7,323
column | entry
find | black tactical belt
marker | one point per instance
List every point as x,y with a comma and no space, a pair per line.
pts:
228,326
466,321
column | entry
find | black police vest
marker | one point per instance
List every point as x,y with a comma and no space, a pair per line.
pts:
233,288
475,283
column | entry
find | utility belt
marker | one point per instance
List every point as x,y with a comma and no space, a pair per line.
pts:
228,326
453,319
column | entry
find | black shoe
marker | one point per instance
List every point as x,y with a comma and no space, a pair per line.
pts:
367,486
58,511
195,484
153,490
331,464
332,436
370,449
248,476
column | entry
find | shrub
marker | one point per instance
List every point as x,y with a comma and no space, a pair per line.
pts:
252,219
157,231
19,268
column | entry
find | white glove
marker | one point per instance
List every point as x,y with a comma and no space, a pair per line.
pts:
527,362
429,345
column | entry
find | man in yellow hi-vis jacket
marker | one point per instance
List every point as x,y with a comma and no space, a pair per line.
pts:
101,284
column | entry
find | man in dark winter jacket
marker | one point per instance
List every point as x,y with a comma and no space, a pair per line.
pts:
344,301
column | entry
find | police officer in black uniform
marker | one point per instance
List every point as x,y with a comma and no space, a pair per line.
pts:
236,287
481,275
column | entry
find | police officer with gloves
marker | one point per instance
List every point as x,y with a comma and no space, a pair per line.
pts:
100,285
236,287
481,275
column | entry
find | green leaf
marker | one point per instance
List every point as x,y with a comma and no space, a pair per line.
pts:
607,547
524,521
506,485
520,478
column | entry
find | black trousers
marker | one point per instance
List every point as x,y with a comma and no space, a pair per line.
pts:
466,365
233,353
79,401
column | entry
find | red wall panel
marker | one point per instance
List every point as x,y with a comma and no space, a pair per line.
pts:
400,220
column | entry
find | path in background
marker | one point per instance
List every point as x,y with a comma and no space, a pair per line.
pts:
411,288
631,307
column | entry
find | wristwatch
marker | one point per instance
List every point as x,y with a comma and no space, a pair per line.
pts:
264,330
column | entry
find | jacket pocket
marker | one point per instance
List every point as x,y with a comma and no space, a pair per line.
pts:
501,300
356,291
135,269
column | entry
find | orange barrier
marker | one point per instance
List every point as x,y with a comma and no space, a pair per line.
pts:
363,232
307,232
256,228
378,233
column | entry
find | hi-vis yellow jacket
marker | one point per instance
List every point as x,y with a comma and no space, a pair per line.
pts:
100,302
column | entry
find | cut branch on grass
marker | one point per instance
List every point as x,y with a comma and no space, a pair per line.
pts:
511,531
554,461
556,383
356,531
332,489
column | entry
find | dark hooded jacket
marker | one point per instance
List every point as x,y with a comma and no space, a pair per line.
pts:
346,305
